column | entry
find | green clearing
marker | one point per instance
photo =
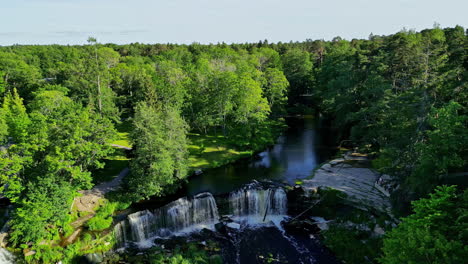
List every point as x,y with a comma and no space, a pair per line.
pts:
118,161
123,134
210,151
114,164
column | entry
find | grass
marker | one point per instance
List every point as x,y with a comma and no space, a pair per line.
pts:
123,134
118,161
114,164
210,151
206,151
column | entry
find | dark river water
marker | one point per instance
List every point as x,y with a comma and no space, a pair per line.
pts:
225,191
295,155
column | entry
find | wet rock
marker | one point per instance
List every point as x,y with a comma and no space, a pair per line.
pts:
321,222
357,183
379,231
299,227
233,225
221,228
226,218
94,258
363,227
335,162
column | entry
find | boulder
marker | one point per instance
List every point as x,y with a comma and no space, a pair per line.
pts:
379,231
29,253
233,225
301,227
321,222
221,228
94,258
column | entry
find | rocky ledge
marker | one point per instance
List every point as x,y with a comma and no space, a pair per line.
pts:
352,175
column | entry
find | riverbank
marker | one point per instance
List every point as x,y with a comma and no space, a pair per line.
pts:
91,233
344,200
213,150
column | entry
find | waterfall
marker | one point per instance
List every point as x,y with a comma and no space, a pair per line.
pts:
256,206
178,217
140,223
6,257
120,233
251,205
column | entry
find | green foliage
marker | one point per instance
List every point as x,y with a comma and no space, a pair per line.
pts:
3,127
46,254
103,218
42,212
353,245
402,97
435,233
298,69
181,254
330,200
43,171
440,152
159,137
99,222
15,117
275,88
17,74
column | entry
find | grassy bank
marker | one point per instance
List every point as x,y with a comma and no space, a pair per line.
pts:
211,151
215,150
123,134
91,231
114,164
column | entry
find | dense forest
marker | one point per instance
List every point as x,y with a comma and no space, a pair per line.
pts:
402,99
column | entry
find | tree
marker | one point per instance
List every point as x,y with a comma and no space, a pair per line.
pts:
298,69
435,233
3,127
16,117
42,173
16,73
275,88
159,139
444,148
132,81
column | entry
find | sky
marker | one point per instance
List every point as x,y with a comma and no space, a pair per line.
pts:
213,21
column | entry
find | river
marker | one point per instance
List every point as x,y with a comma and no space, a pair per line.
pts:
295,155
248,197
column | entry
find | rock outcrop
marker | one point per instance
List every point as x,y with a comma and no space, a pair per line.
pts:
348,175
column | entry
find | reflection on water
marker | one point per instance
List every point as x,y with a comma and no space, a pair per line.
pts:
294,156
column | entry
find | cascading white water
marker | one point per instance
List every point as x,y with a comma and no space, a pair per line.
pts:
120,233
249,206
6,257
178,217
140,223
256,206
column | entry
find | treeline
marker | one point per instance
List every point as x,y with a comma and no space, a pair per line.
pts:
402,98
59,107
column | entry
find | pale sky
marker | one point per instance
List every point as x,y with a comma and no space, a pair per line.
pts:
212,21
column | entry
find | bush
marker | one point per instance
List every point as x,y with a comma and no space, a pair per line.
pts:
435,233
45,254
99,223
103,217
352,245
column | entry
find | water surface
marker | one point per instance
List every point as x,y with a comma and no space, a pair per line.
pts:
295,155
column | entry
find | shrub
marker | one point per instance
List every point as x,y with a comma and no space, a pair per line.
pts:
103,217
435,233
99,223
